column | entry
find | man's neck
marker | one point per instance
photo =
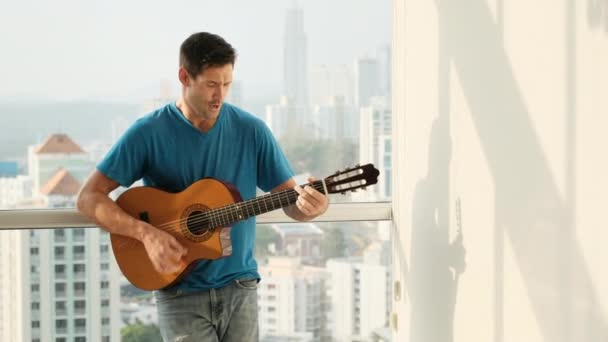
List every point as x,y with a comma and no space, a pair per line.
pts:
202,124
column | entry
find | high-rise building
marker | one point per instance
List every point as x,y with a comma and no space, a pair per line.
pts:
295,67
295,57
366,81
328,82
359,293
385,146
375,141
336,121
292,301
282,119
58,284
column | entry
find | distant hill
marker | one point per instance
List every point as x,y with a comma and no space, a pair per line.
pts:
23,124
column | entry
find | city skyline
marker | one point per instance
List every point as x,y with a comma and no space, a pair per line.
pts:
109,59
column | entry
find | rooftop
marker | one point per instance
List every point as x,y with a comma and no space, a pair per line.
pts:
59,143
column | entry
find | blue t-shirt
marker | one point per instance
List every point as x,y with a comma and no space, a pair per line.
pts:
165,150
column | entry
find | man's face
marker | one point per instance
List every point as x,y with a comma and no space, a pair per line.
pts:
206,92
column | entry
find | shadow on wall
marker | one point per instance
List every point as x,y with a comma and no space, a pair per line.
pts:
436,263
530,211
597,14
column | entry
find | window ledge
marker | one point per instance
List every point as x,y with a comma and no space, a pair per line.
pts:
70,218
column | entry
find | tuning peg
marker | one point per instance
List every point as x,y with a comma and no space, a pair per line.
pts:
343,192
364,188
354,190
358,165
337,172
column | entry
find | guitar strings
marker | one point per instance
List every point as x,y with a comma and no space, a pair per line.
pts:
205,217
225,215
218,215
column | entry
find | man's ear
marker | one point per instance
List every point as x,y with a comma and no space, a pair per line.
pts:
183,76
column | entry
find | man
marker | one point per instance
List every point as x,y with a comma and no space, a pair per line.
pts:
196,137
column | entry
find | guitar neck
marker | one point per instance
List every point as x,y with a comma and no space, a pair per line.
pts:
230,214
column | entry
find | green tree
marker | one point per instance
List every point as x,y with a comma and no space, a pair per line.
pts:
140,332
320,158
334,244
265,236
130,291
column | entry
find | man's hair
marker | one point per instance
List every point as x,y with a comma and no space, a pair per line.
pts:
202,50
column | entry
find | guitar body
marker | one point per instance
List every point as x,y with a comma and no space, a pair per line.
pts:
170,212
200,218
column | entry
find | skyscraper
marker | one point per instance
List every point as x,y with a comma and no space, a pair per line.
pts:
336,121
282,118
328,82
295,61
375,141
359,292
366,81
59,284
291,301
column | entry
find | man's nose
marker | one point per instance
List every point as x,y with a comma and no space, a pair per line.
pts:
219,92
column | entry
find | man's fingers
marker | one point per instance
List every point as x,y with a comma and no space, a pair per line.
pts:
177,247
303,203
303,206
314,195
298,189
170,264
309,200
306,192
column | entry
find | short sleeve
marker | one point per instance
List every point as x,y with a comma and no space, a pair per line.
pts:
125,161
273,168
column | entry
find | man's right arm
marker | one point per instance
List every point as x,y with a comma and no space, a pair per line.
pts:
164,250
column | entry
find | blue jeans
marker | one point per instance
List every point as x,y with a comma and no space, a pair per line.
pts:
225,314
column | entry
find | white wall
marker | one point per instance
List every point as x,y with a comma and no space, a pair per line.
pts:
502,104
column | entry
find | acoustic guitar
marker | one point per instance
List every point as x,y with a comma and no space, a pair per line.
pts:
200,218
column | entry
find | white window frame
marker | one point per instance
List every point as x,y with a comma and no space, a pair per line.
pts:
70,218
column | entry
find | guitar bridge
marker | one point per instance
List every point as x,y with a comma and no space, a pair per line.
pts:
225,241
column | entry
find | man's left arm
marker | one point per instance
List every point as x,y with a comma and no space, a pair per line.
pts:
310,203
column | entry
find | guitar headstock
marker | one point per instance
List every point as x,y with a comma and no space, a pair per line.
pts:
351,179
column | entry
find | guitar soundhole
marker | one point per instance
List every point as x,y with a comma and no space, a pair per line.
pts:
195,225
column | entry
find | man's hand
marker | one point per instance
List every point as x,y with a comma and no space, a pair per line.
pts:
164,250
311,202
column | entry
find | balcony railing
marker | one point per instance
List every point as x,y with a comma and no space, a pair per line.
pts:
70,218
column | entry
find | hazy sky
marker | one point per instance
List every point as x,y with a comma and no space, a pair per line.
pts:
120,50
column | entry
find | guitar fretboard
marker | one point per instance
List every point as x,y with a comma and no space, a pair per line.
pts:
230,214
